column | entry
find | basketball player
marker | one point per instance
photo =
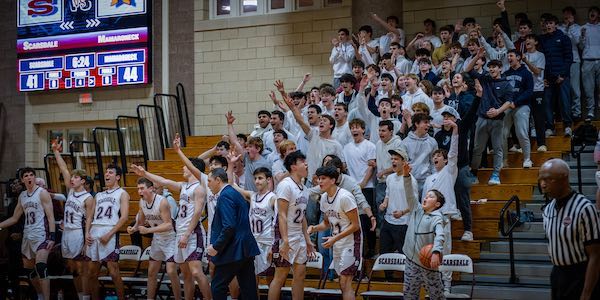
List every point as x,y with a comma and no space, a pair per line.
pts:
292,243
37,242
341,215
106,216
262,216
154,216
189,247
73,240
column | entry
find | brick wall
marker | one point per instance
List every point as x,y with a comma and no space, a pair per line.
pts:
238,59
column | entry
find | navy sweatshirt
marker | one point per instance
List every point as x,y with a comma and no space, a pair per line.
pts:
522,82
495,93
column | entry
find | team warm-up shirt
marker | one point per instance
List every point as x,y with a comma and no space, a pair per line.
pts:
108,207
35,217
75,209
262,214
296,194
152,215
335,209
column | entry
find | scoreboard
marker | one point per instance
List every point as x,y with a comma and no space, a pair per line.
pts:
68,44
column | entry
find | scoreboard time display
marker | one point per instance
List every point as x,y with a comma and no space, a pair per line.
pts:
68,44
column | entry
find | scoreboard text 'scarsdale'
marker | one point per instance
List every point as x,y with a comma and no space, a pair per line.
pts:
66,44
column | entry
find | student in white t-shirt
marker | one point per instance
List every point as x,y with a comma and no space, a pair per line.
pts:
341,132
536,63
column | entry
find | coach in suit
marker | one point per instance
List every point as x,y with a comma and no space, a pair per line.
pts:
232,245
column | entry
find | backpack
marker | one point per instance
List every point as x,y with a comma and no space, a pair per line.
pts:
585,135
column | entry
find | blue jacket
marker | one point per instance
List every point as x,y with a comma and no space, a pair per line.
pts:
522,82
556,47
495,93
230,233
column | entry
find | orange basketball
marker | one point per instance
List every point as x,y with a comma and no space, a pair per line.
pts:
425,255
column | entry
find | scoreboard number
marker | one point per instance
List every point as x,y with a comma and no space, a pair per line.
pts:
130,74
80,62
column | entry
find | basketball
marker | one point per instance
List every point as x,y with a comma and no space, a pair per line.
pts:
425,255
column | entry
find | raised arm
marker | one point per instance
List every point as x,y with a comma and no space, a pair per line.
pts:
170,184
232,135
304,81
56,148
413,203
231,160
186,161
296,112
453,153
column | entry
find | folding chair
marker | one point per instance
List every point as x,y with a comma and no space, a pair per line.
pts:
313,262
323,292
386,262
458,263
137,279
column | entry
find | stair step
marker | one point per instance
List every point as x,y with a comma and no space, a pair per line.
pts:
511,175
515,159
555,143
520,247
170,153
482,229
485,255
502,192
529,235
521,269
505,292
203,141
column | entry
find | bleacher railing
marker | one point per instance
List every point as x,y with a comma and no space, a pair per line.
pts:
110,143
512,220
132,130
54,178
88,156
172,108
180,91
153,131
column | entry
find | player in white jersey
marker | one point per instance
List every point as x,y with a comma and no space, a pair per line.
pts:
154,216
73,239
39,232
106,216
261,216
292,244
190,233
341,215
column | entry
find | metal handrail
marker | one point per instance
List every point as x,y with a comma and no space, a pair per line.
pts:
180,91
160,122
142,135
514,222
577,155
121,151
182,134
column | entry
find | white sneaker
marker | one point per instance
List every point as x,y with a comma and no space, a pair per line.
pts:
568,131
549,132
515,149
527,164
542,148
467,236
456,216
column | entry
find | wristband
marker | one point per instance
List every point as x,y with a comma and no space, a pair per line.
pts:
52,236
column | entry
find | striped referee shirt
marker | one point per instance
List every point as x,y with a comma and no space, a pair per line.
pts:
569,228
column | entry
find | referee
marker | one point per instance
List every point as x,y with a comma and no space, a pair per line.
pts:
572,226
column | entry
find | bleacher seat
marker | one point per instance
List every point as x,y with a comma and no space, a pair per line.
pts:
386,262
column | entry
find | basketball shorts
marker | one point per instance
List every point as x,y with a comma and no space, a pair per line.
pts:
29,247
263,266
97,251
346,262
194,249
297,253
72,244
163,248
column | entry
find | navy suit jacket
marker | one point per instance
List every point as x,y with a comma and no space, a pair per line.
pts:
230,232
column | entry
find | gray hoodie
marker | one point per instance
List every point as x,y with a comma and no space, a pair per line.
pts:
419,150
423,228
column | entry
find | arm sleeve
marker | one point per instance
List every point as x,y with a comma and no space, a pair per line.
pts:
526,91
373,106
410,192
567,54
226,208
334,55
440,237
589,225
505,22
453,153
509,44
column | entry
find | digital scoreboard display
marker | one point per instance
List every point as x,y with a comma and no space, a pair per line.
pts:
68,44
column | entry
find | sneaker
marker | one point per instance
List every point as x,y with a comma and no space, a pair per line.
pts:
568,131
494,179
527,164
467,236
515,149
456,217
475,180
549,132
542,148
490,151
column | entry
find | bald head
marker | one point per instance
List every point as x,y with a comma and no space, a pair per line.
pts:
556,168
554,178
